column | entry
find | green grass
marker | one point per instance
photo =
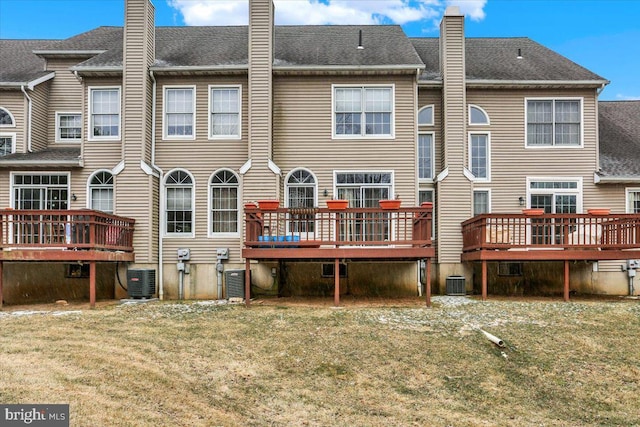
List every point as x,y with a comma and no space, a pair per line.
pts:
566,364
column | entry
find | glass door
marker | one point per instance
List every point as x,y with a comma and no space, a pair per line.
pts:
368,226
548,231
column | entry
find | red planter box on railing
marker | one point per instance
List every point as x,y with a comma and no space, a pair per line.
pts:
533,211
599,211
390,204
337,204
269,205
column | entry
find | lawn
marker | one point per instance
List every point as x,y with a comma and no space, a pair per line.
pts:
290,363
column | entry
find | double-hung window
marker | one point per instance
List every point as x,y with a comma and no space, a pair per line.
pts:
425,143
363,111
480,156
7,143
104,111
633,200
68,127
481,202
225,108
554,122
224,186
179,112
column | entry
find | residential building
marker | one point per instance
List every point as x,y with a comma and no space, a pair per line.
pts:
178,128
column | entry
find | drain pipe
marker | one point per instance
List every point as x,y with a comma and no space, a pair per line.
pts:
160,178
30,109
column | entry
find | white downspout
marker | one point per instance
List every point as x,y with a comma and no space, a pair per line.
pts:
29,119
160,178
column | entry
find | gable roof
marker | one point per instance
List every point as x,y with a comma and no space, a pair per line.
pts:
619,131
496,60
48,158
19,65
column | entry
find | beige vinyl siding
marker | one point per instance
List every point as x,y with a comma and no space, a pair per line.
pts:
303,133
99,153
15,102
453,198
434,97
202,157
260,181
65,93
39,116
512,162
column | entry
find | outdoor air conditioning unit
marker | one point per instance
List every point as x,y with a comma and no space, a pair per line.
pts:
141,283
456,285
235,283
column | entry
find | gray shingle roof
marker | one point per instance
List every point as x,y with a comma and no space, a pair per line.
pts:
496,59
49,157
619,130
19,64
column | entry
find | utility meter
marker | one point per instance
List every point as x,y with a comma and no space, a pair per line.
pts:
184,254
633,264
222,253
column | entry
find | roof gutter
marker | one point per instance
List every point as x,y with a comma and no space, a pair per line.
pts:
159,69
485,82
59,163
29,114
30,84
631,179
399,67
160,178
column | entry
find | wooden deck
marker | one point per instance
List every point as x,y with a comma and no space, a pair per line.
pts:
549,237
65,236
402,234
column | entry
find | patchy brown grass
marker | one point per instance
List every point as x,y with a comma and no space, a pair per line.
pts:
301,363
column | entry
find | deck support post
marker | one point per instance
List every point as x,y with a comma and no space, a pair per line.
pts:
566,280
247,282
336,282
92,284
427,280
484,280
1,297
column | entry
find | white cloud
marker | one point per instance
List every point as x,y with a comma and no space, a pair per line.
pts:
623,97
318,12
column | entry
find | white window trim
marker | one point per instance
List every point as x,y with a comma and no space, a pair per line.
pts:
165,135
210,232
363,136
166,234
488,134
287,185
483,190
433,157
433,114
224,137
578,190
12,175
90,136
13,119
11,135
483,111
60,139
627,194
392,184
88,188
553,146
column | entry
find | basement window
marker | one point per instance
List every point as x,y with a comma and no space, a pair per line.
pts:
328,270
510,269
77,271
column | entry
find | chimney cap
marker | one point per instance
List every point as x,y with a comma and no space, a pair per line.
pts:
452,11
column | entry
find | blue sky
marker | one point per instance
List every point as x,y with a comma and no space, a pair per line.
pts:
601,35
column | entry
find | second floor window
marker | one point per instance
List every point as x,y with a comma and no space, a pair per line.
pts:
68,127
479,156
6,144
425,156
179,108
104,108
6,119
224,111
554,123
363,111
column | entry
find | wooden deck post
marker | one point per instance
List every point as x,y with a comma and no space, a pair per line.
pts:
427,281
247,282
484,280
1,297
566,280
92,284
336,281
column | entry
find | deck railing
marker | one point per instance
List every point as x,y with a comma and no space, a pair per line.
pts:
551,231
65,229
323,227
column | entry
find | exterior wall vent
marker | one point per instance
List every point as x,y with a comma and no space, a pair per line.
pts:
456,285
234,280
141,283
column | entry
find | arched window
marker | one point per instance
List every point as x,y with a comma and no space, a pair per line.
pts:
6,118
179,202
223,190
301,193
101,191
425,116
477,116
